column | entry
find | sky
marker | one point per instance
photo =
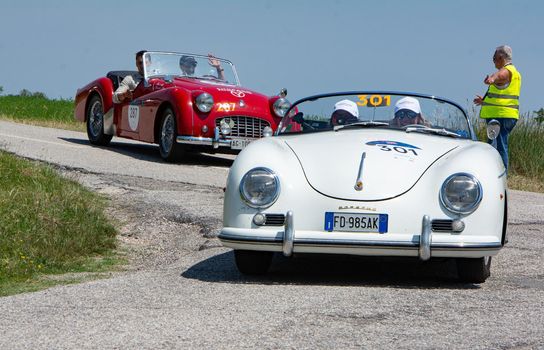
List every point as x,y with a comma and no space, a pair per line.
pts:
442,48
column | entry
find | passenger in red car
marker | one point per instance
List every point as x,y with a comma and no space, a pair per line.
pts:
129,83
187,64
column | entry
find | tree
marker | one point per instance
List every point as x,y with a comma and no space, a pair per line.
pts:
25,93
39,95
1,89
28,93
539,115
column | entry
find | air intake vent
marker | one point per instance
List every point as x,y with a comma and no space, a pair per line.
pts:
442,225
275,219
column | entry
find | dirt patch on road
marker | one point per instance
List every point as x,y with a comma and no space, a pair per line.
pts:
159,222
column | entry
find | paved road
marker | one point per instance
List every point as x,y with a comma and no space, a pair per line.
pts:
183,291
124,157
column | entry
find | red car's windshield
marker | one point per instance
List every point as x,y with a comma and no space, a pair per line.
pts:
162,64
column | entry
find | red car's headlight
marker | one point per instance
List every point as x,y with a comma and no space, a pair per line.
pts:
281,106
204,102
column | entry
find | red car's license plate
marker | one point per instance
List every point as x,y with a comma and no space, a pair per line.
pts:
239,143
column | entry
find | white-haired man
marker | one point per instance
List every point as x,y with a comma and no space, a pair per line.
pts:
501,101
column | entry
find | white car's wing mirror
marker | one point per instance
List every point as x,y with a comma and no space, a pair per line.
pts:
493,129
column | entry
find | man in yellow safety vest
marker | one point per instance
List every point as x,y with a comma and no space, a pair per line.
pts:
501,101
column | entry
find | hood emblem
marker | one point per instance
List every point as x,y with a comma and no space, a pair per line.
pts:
359,182
242,103
351,207
237,93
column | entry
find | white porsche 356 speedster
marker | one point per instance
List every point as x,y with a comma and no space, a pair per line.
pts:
368,173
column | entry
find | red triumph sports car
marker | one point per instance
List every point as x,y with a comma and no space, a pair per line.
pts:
202,109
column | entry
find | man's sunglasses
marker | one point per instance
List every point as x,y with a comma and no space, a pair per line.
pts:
405,113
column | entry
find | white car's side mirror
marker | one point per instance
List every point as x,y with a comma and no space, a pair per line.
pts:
493,129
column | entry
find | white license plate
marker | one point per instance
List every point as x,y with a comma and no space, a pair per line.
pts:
239,143
356,222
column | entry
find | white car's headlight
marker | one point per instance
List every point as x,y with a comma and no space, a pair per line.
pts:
281,105
461,193
204,102
260,187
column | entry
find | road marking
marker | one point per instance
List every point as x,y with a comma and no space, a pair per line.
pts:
43,141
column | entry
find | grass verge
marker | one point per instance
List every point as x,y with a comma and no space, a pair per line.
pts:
39,110
49,226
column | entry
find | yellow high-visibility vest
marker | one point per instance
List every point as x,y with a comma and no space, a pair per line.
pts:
503,103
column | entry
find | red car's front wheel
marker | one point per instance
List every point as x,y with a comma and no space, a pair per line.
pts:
95,122
170,150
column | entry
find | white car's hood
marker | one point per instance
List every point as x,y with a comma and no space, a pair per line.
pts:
394,161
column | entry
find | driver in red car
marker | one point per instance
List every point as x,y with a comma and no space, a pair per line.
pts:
187,64
129,83
407,112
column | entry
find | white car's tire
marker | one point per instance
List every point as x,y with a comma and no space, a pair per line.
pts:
253,262
474,270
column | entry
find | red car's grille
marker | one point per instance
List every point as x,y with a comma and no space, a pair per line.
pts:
245,126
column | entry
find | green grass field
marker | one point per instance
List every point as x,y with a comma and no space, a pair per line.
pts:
38,110
49,225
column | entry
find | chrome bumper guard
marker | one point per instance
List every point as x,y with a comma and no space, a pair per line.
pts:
288,234
214,141
425,237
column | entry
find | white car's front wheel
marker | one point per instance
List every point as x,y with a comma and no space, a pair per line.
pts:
474,270
252,262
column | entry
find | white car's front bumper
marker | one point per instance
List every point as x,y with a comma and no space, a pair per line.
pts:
423,244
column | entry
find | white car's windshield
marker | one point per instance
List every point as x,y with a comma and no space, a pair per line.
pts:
409,113
167,64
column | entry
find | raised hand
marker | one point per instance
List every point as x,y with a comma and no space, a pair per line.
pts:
213,61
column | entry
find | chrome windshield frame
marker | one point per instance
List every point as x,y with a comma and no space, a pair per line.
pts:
472,135
146,78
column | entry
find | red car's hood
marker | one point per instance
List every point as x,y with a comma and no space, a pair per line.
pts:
221,90
253,102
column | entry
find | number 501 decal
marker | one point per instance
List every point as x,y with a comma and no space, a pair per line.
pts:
398,149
